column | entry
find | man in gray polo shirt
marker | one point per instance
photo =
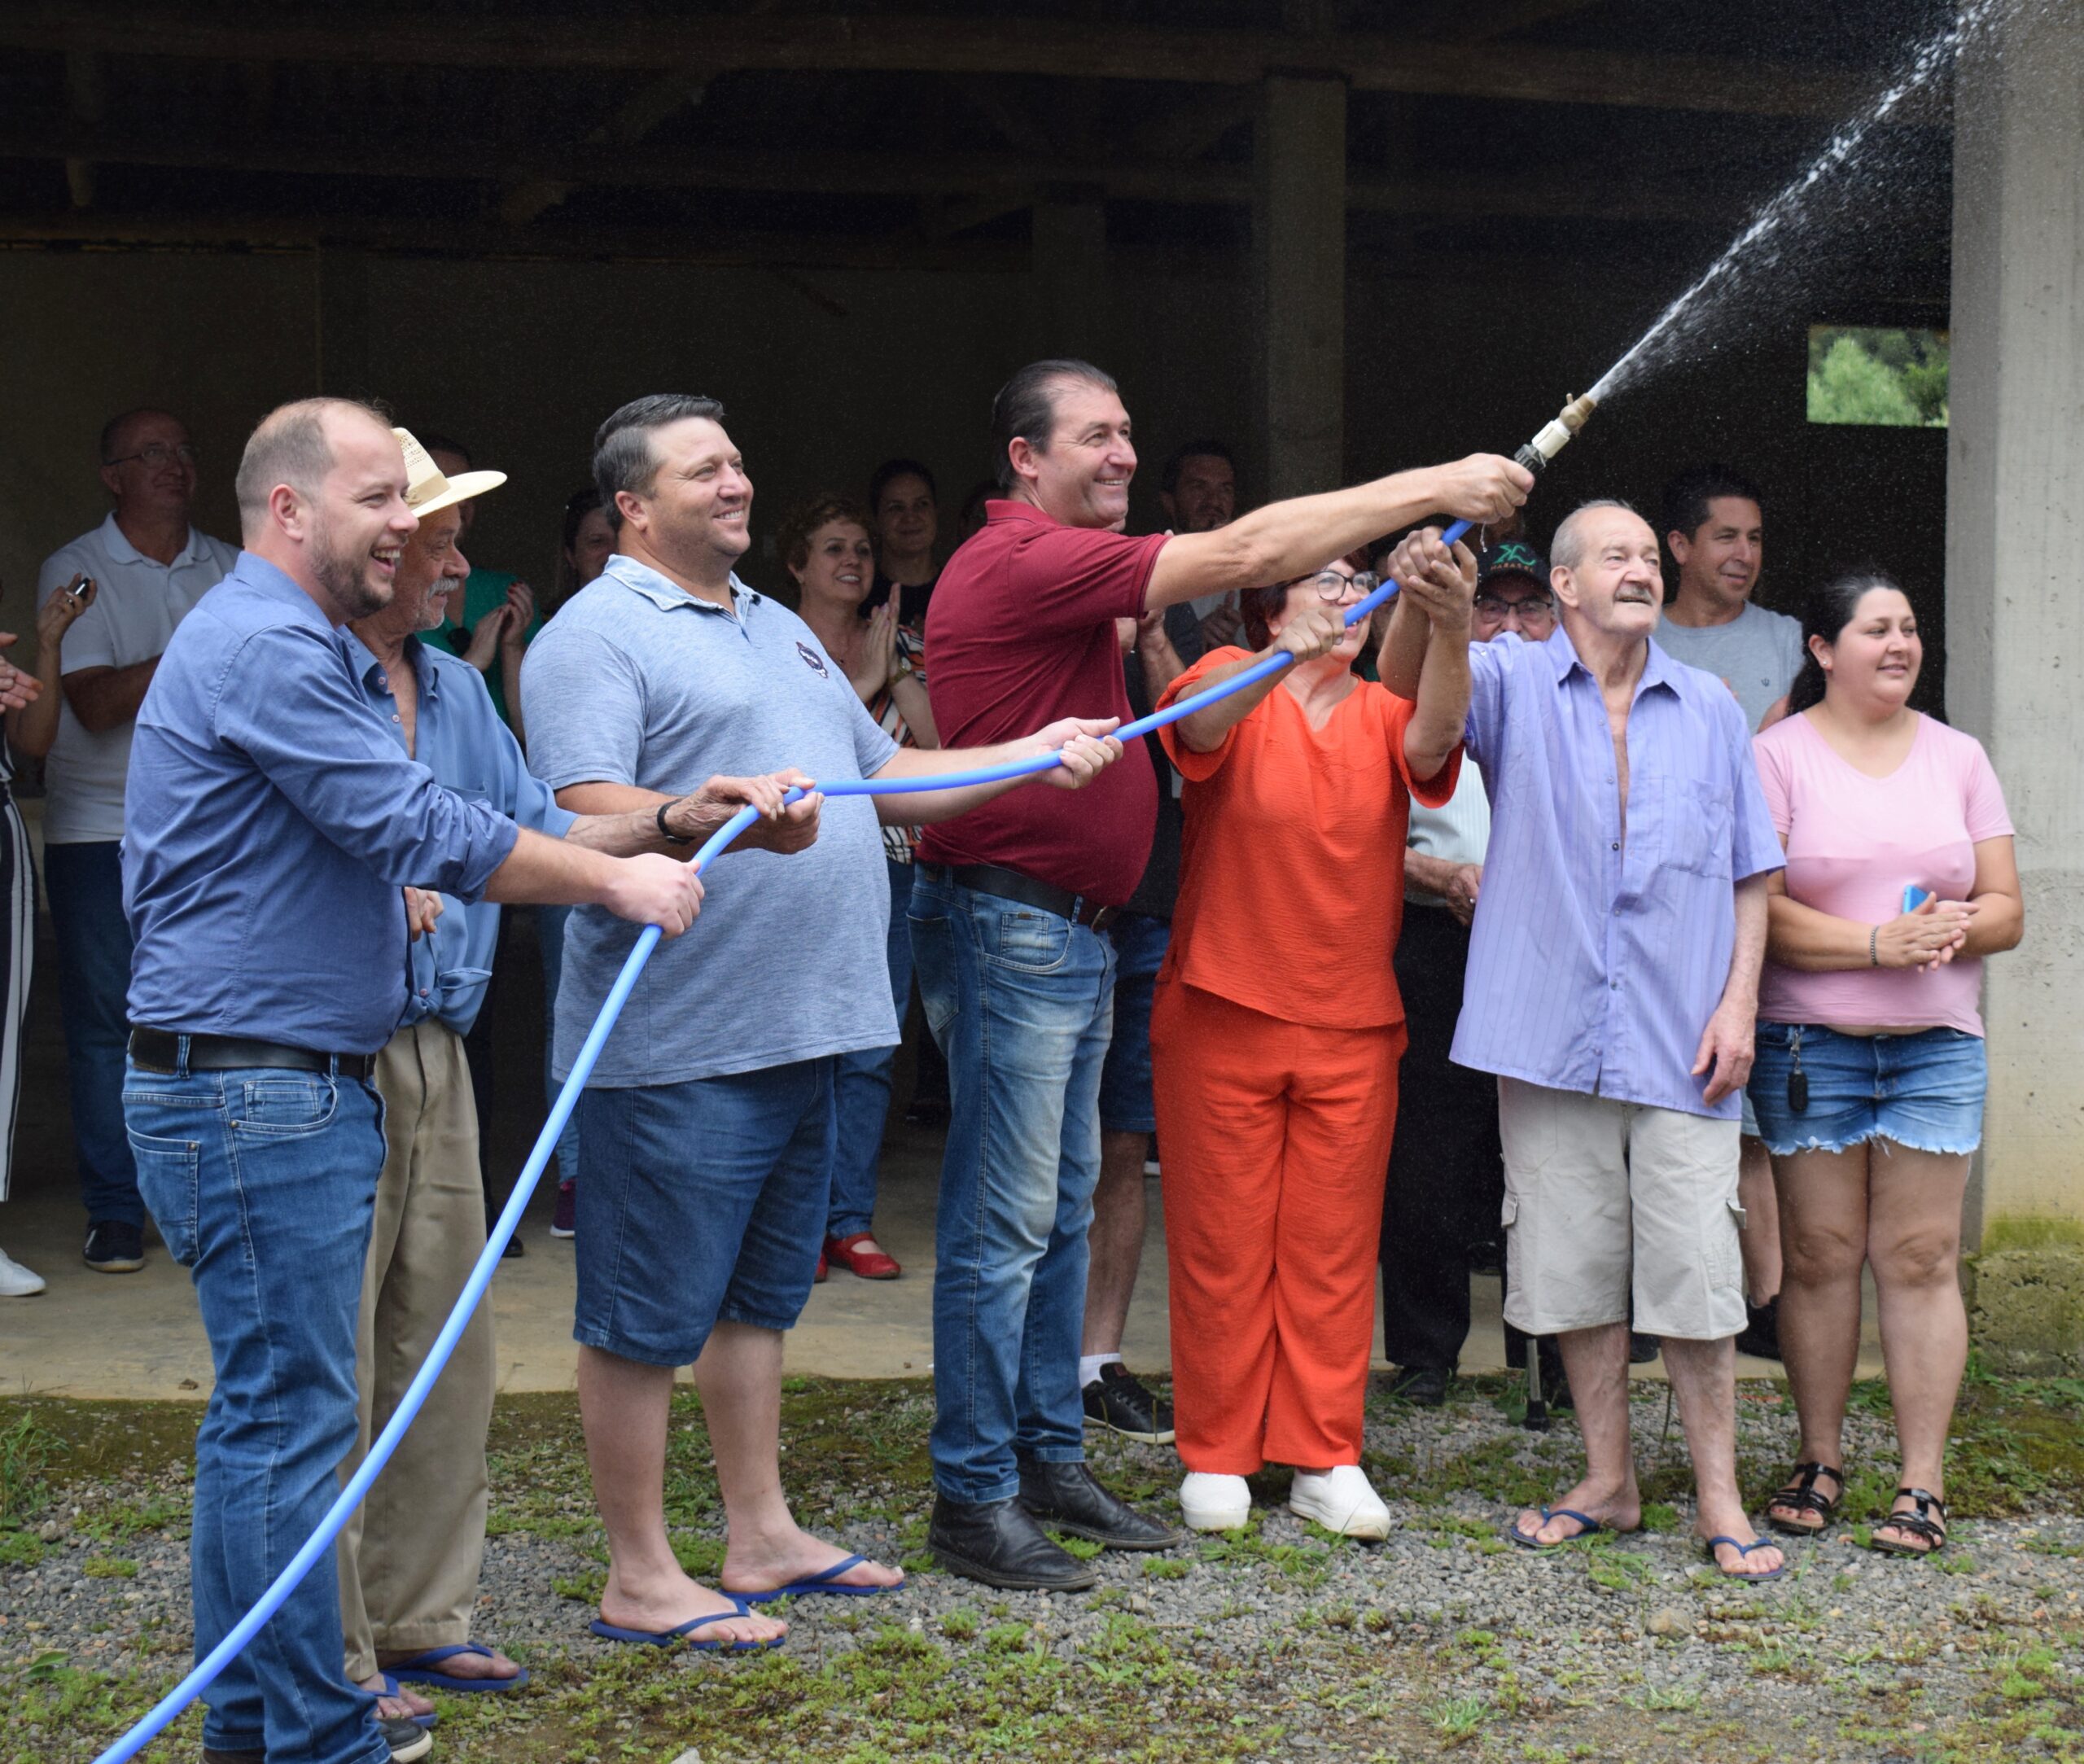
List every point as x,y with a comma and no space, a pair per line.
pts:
708,1128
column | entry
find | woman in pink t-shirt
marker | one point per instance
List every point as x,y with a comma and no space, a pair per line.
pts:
1870,1076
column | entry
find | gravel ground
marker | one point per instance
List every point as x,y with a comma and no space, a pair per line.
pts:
1278,1642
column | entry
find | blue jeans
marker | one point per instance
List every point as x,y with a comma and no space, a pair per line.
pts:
860,1084
1023,1003
549,930
262,1182
86,886
1140,942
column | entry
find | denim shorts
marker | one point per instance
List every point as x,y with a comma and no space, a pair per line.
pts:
1923,1091
704,1202
1125,1100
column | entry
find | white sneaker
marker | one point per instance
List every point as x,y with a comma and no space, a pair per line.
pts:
1341,1501
15,1281
1215,1503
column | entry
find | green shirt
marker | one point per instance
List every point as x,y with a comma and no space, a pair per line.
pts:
484,592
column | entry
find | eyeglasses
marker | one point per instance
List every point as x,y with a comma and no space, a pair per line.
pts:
160,453
1331,586
1533,606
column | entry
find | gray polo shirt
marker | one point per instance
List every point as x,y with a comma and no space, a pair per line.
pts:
637,682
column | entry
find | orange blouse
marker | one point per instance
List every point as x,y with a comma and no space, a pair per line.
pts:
1291,876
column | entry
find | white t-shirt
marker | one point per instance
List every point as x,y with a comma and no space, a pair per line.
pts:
139,601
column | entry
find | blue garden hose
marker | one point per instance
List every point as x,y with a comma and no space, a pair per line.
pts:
567,1099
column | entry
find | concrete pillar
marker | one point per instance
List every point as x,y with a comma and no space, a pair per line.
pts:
1298,243
2015,621
1068,256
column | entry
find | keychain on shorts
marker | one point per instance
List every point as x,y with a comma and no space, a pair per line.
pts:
1798,1079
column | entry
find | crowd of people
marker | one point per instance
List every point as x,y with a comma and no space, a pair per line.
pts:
1533,920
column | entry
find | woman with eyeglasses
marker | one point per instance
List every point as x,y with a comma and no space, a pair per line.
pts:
1276,1033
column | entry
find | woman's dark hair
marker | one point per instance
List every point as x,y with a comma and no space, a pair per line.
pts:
577,507
1026,407
881,478
1830,609
792,538
1258,606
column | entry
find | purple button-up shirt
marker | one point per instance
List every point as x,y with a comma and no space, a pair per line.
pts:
1595,963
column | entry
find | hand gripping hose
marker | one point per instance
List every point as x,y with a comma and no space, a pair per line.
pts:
524,1186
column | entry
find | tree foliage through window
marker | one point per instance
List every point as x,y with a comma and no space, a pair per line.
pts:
1864,373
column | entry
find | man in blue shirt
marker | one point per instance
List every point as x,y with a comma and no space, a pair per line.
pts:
271,822
706,1132
409,1559
1612,984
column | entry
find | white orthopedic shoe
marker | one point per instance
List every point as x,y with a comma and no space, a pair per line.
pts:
1215,1503
1341,1501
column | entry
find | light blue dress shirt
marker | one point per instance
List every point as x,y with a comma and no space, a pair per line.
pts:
270,821
458,736
1595,963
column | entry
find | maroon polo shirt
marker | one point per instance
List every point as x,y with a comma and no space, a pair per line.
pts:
1020,632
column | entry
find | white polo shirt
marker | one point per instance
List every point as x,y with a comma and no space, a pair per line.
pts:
139,602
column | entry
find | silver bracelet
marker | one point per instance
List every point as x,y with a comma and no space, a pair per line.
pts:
1873,959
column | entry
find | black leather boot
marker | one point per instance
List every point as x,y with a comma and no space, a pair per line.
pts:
1069,1497
998,1543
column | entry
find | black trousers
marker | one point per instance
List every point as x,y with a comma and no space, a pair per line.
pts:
1447,1175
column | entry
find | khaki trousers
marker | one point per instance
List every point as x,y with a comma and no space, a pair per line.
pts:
408,1558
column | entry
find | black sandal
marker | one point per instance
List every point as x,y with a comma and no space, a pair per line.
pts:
1918,1521
1802,1496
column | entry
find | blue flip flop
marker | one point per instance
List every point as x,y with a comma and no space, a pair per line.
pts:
1527,1540
391,1689
1744,1549
828,1582
420,1669
665,1638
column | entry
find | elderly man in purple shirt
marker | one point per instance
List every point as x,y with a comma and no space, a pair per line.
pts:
1612,982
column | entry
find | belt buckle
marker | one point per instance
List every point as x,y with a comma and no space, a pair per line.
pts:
1102,918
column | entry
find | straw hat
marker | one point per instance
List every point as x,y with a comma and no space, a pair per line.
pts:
428,491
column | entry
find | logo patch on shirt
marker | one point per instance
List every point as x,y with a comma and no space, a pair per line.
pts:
814,661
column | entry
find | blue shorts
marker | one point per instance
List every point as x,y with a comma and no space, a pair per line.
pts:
703,1202
1923,1091
1125,1100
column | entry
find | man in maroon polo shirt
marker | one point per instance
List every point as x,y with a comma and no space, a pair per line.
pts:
1007,906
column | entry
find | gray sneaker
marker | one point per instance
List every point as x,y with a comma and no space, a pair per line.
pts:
405,1737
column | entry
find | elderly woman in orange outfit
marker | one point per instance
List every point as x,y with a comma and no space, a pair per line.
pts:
1277,1028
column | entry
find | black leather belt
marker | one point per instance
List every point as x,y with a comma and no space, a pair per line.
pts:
1010,885
159,1050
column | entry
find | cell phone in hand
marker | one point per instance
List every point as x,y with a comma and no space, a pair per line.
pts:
85,587
1915,897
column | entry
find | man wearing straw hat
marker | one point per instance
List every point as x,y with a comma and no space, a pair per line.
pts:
270,821
409,1558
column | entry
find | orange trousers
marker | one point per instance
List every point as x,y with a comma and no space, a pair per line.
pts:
1272,1138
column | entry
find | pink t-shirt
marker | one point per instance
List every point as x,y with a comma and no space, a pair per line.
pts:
1852,843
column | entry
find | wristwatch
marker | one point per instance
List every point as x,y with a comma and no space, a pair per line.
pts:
903,670
665,832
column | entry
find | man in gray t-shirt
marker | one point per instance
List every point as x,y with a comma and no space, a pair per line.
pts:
1714,529
706,1131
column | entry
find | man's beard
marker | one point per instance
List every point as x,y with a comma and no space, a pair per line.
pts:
343,576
